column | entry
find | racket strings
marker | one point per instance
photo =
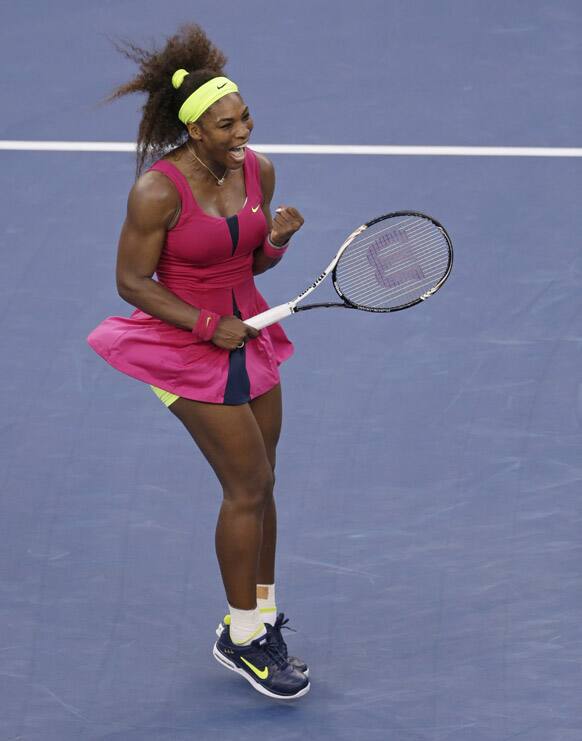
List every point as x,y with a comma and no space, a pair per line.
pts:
415,232
421,242
421,239
393,263
433,261
405,286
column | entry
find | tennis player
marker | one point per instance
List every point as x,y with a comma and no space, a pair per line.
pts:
199,218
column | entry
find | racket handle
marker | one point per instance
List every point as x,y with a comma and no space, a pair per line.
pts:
266,318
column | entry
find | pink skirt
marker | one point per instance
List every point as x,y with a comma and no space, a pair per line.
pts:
160,354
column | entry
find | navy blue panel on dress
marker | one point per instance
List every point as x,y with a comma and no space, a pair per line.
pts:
232,223
238,385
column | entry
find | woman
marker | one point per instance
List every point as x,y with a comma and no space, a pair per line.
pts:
200,219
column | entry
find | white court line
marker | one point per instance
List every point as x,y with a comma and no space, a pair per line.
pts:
57,146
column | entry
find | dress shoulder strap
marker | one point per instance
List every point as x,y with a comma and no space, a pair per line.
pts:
172,172
253,172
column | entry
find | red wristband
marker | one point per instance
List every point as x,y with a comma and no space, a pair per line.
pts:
272,251
206,325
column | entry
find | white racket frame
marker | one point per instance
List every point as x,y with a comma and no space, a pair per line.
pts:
276,313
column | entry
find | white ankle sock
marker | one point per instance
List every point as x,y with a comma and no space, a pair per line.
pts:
267,606
245,625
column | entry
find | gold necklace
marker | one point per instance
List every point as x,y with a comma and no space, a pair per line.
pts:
219,181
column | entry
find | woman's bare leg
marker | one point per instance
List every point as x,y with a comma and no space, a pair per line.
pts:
267,410
231,440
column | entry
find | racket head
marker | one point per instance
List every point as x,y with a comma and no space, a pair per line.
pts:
398,260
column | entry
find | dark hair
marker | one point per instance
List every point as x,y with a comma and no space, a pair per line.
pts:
189,49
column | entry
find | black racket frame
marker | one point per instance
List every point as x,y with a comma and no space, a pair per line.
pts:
347,304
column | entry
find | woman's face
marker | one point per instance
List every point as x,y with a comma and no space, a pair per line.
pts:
223,131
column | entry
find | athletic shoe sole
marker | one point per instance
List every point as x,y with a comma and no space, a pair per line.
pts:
259,687
219,633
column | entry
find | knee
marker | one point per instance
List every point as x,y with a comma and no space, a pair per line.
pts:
252,491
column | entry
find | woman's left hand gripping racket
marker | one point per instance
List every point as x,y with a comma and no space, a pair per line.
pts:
391,263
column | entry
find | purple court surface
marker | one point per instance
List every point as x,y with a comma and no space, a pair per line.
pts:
430,468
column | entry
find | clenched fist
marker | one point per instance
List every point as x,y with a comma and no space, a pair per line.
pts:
287,221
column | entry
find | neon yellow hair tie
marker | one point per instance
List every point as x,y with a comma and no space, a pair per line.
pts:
200,100
178,77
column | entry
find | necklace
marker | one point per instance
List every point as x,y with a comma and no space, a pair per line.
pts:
219,181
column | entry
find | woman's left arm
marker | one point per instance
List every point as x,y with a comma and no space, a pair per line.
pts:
287,221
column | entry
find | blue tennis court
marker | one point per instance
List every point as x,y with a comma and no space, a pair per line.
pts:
430,467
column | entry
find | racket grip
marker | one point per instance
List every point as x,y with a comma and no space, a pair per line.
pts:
266,318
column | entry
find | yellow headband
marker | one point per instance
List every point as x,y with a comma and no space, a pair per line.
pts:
200,100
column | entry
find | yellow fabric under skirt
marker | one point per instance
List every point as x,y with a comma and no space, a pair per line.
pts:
165,397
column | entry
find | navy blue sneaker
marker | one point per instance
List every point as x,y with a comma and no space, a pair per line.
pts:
277,639
262,665
281,646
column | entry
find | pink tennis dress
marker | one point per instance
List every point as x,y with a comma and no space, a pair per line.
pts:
207,262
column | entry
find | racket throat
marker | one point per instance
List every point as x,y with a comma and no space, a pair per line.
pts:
322,306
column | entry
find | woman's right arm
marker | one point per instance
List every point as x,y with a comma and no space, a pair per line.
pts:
153,207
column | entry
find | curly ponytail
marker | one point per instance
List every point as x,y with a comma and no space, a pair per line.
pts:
160,129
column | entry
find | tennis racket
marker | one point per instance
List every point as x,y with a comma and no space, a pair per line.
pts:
388,264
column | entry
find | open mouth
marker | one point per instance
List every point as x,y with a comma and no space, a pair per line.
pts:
238,153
